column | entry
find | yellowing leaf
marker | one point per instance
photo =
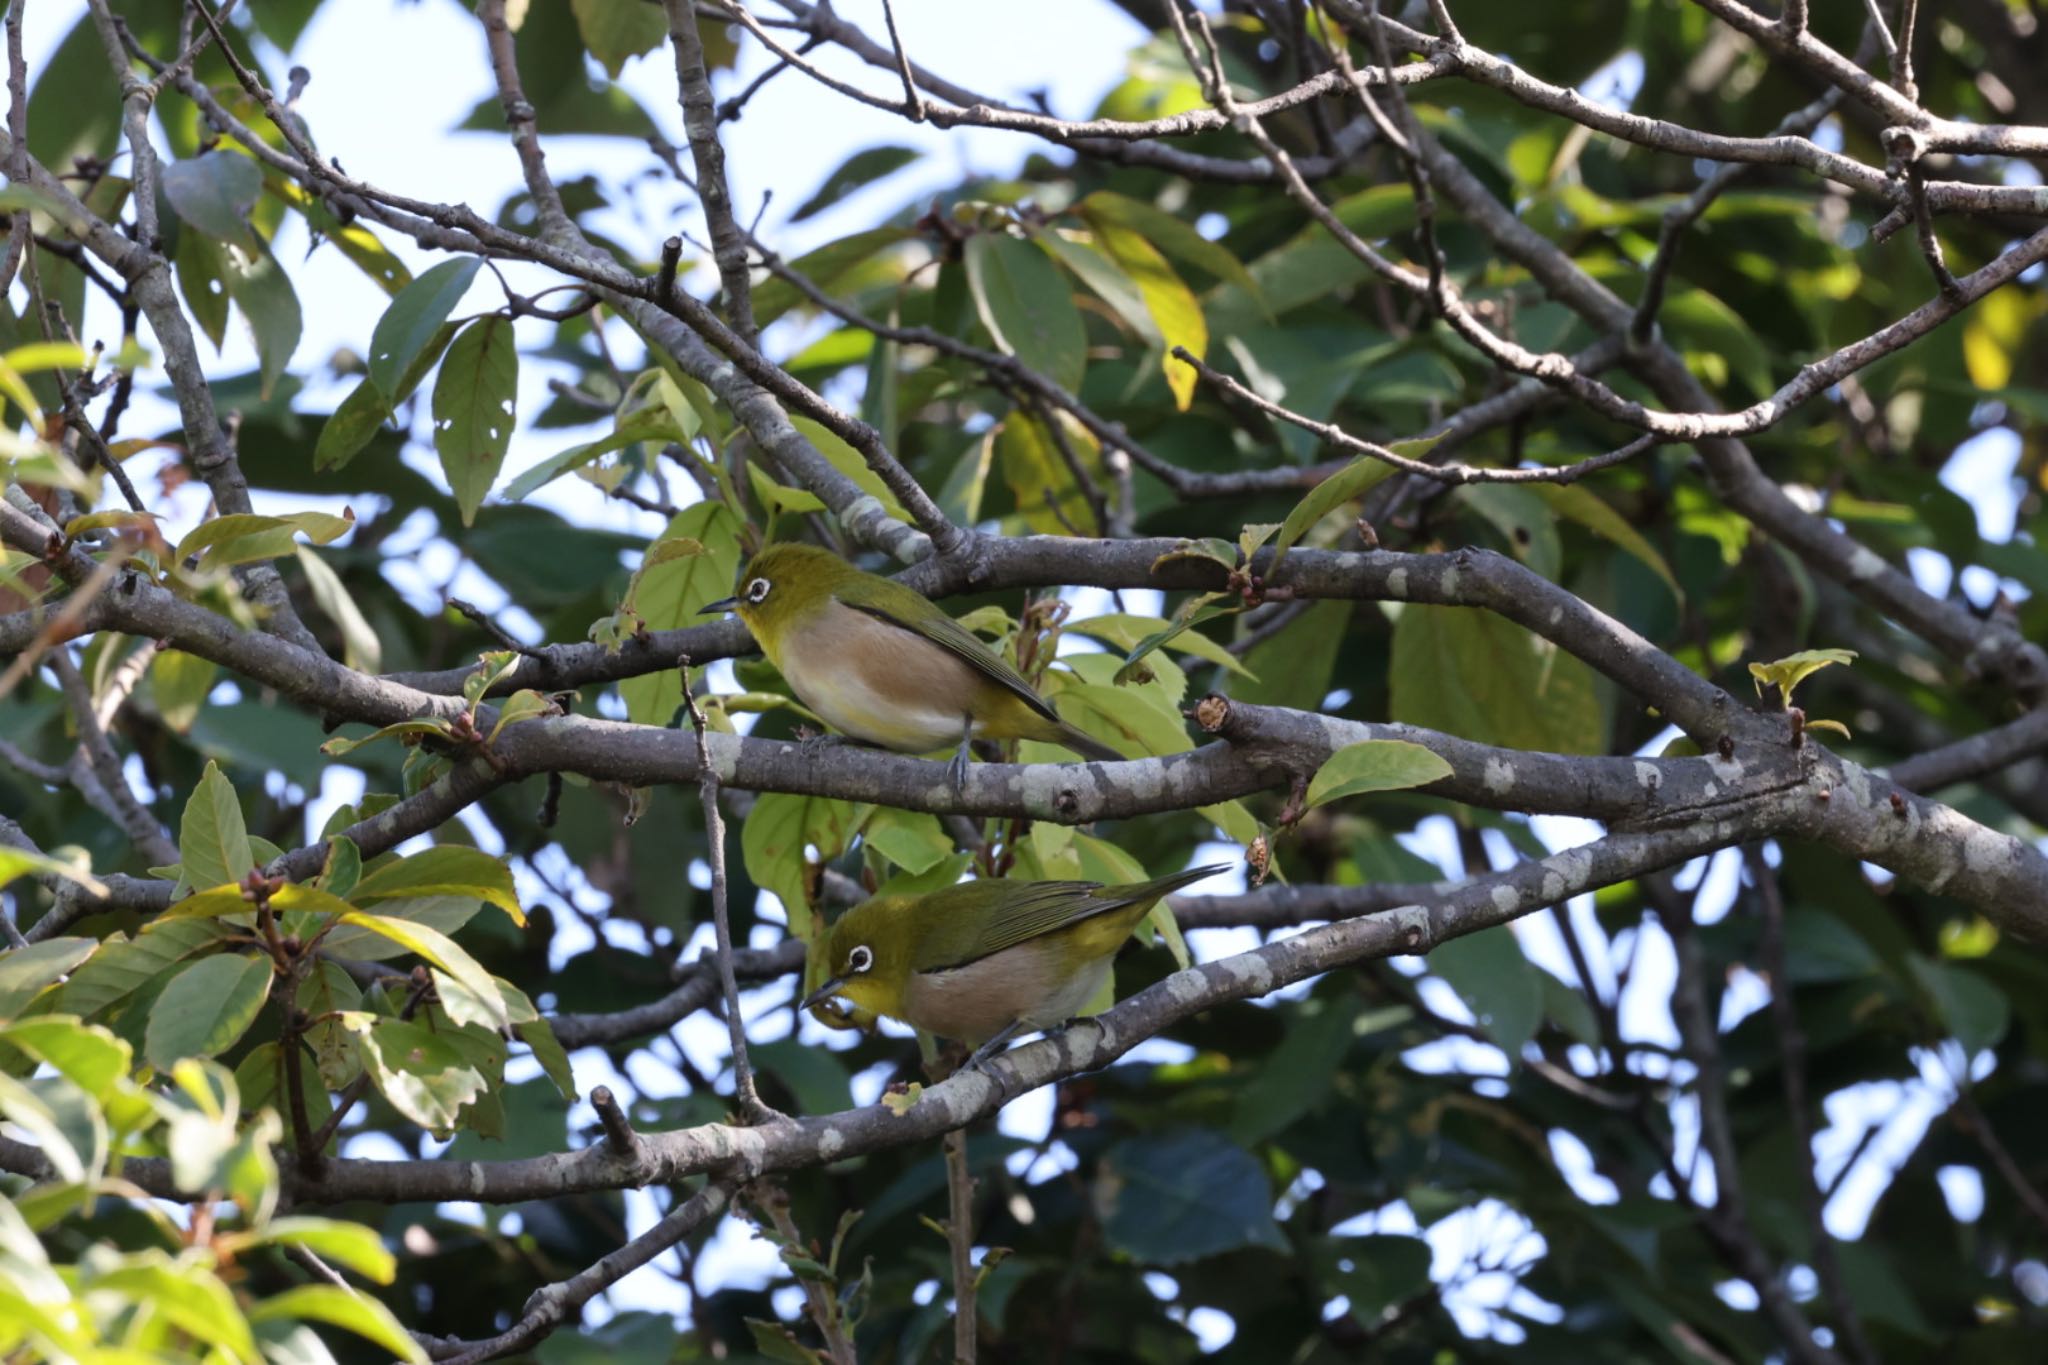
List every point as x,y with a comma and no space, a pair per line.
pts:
1172,304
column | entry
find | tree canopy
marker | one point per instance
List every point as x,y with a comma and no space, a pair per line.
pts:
1549,492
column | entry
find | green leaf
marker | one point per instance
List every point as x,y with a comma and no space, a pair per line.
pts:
1352,481
814,1075
354,422
645,424
777,1343
525,704
1787,673
244,537
188,1295
414,319
213,842
328,990
349,1245
26,972
270,306
361,649
343,868
214,193
1375,765
364,248
123,966
19,862
66,1125
178,684
539,1035
344,1308
1820,948
425,1076
1140,635
670,594
1135,731
444,870
914,842
1524,520
630,1338
857,171
849,462
773,842
616,30
1973,1009
1576,502
1297,1074
1376,1273
206,1008
480,993
202,279
1027,307
1175,1196
827,267
1473,674
473,409
437,729
1094,269
93,1058
1499,985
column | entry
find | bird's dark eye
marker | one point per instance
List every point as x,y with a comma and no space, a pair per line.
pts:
757,591
860,959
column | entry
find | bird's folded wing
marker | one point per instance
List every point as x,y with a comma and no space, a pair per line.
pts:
920,618
1009,913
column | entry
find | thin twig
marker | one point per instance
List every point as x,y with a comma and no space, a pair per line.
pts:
960,1240
913,103
1792,1067
557,1305
752,1108
700,126
1439,473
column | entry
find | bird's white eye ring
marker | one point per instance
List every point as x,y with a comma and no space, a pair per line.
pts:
860,959
757,591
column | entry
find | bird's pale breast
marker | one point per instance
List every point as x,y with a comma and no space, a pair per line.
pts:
878,682
975,1002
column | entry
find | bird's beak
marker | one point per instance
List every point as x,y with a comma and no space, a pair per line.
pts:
822,994
720,607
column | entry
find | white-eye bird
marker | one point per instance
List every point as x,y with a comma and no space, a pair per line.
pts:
983,961
883,664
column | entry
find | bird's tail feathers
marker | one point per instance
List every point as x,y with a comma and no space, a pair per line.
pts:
1167,885
1085,745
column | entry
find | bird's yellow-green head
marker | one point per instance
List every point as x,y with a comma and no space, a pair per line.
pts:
869,956
780,586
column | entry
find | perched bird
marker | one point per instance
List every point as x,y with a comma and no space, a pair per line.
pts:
883,664
986,960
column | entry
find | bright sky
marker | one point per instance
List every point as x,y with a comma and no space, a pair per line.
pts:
389,82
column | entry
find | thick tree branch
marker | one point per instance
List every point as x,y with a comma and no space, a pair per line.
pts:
742,1153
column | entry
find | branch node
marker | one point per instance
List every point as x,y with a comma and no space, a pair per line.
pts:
619,1136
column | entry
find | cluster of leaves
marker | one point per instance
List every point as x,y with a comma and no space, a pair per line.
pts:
135,1281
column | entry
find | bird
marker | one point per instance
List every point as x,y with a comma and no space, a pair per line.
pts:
879,662
985,960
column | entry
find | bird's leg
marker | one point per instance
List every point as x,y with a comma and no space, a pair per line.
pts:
993,1045
956,770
